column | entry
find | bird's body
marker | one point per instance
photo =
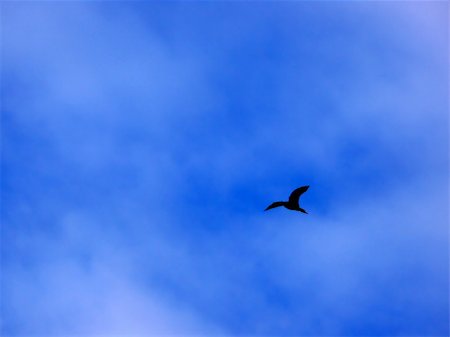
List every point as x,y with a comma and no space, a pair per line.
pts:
293,202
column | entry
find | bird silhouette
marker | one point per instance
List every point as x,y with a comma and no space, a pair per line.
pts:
293,202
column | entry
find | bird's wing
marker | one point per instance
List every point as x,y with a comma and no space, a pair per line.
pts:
295,195
275,204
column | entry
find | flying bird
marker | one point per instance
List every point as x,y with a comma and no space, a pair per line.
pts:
293,202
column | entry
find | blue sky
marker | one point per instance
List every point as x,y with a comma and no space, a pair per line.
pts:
141,142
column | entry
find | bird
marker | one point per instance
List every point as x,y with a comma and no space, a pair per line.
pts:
293,202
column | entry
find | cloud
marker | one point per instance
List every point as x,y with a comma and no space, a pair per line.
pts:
80,283
141,143
367,258
83,102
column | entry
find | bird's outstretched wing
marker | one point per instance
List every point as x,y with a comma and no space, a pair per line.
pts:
275,204
295,195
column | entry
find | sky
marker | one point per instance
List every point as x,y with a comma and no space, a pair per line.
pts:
141,142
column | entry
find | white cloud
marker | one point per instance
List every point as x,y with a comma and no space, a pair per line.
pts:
80,281
111,99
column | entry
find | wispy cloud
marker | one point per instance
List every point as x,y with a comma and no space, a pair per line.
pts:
141,142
